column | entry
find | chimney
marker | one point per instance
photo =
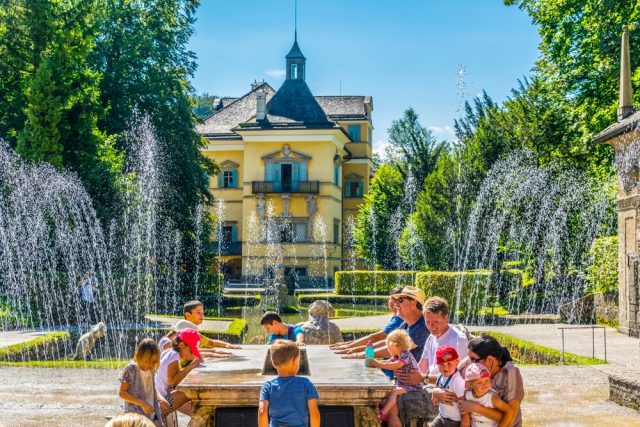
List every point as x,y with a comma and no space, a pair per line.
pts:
261,105
255,85
626,93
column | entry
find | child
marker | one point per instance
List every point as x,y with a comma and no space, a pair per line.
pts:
449,380
288,400
137,388
167,341
479,380
193,317
398,344
185,347
272,323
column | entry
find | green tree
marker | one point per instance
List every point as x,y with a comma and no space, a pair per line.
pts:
373,239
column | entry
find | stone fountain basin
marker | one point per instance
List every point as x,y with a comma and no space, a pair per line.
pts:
236,381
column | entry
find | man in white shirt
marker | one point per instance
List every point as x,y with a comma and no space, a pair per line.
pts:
436,315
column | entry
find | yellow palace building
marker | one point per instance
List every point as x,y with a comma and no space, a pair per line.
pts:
294,169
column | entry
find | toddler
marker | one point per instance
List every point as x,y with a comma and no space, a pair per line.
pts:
449,380
398,344
137,387
479,381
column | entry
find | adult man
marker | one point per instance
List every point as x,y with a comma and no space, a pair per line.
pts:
436,316
193,317
409,305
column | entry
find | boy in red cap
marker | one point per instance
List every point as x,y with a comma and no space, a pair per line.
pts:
449,380
479,380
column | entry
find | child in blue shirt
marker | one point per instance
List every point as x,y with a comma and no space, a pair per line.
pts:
278,330
288,400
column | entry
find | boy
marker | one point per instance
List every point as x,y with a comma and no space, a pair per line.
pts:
278,330
193,317
448,380
288,400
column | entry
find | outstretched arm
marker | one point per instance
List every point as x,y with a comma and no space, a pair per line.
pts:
392,366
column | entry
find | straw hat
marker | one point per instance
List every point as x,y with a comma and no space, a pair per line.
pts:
412,292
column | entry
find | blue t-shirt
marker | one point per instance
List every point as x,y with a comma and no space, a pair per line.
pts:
419,334
288,398
292,334
393,324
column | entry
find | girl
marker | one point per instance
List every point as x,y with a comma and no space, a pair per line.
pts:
479,380
185,348
398,344
137,387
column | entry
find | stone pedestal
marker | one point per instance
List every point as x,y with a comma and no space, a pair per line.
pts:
236,383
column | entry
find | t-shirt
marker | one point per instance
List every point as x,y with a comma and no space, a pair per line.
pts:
456,384
162,381
184,324
409,364
292,334
419,334
288,400
452,337
86,291
141,385
393,324
508,386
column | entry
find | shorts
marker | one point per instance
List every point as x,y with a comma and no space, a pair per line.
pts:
440,421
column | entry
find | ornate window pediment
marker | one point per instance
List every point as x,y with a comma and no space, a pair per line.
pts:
286,153
229,165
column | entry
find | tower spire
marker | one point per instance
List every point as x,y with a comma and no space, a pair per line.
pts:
295,21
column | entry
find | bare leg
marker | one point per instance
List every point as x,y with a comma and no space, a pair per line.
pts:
180,401
394,418
391,400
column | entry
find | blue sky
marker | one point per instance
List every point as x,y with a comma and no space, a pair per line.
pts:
427,54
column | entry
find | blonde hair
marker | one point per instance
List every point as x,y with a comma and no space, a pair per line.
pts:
399,338
282,351
130,420
147,349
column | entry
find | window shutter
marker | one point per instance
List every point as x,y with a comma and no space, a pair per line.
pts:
234,174
303,171
360,188
234,233
270,172
295,176
220,180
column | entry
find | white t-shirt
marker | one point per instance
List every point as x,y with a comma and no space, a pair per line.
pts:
162,380
452,337
456,385
184,324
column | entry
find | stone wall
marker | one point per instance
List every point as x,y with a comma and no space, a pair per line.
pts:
624,392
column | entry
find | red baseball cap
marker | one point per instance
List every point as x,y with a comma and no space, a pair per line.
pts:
446,353
191,337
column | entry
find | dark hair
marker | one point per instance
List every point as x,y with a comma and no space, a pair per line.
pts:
436,305
282,351
269,317
396,290
175,344
190,305
486,345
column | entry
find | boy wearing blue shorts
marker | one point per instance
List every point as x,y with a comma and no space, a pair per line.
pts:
288,400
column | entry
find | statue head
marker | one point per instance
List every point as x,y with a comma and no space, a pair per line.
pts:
321,308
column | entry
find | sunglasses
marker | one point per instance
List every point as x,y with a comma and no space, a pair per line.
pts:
401,300
477,359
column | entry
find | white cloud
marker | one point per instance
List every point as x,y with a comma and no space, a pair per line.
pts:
276,73
445,132
380,147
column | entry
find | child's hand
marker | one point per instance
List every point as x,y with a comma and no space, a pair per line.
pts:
466,406
147,408
164,406
195,363
466,422
371,363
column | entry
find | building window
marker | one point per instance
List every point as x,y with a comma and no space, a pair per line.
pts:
370,136
353,187
228,179
336,175
336,233
286,232
294,71
354,132
229,233
301,232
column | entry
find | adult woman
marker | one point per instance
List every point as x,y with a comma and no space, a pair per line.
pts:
505,379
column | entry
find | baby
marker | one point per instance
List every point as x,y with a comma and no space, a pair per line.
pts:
479,381
398,344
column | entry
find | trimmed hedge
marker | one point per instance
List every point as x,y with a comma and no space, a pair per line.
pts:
53,345
307,299
354,334
371,282
526,352
477,289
